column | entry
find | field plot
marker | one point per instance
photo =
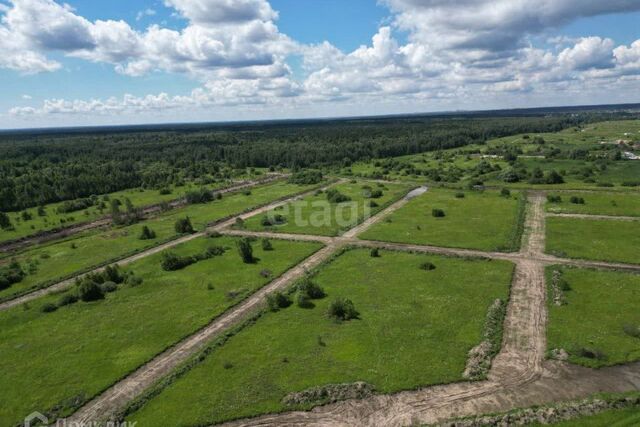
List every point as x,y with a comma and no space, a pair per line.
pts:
81,348
51,218
330,212
414,328
474,220
596,204
57,260
601,240
593,315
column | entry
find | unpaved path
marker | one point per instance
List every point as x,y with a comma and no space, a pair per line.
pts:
595,217
65,284
147,212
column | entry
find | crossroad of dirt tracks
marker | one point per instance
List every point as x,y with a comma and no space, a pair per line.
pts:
520,375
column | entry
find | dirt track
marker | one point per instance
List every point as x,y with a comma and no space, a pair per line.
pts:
519,377
600,217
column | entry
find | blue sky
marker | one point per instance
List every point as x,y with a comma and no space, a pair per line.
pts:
119,61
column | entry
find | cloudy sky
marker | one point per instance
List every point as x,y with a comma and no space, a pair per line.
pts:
88,62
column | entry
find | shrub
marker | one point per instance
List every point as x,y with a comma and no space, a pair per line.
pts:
165,191
304,301
554,178
277,301
239,224
173,262
591,353
199,196
554,199
306,177
459,195
246,251
147,234
373,204
505,192
266,245
310,289
342,309
183,226
437,213
427,266
375,253
577,200
133,281
5,221
48,308
88,290
67,299
376,194
112,273
213,251
270,220
11,274
335,196
108,287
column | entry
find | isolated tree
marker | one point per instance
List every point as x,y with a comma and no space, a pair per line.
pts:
5,221
342,309
147,234
437,213
375,253
183,226
266,245
246,251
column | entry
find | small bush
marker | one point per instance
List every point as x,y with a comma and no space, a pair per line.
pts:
554,199
173,262
310,289
88,290
342,309
147,233
335,196
108,287
266,245
505,192
373,204
304,301
239,224
277,301
460,196
577,200
375,253
48,308
437,213
427,266
591,353
184,226
67,299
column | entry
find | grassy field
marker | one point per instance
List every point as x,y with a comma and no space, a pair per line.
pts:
480,220
315,215
78,350
597,204
602,240
591,325
415,328
139,197
53,219
56,260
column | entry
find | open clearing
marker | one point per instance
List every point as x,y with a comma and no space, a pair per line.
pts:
52,262
415,329
80,349
590,324
596,203
479,220
601,240
308,216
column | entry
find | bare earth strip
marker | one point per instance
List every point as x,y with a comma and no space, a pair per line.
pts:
519,376
596,217
147,212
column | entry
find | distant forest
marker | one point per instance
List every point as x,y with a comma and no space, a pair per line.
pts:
41,168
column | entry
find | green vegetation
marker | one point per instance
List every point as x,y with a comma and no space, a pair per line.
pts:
480,220
629,417
329,213
602,240
597,204
83,347
54,261
595,325
414,329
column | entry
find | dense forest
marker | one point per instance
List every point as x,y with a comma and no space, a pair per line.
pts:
40,168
